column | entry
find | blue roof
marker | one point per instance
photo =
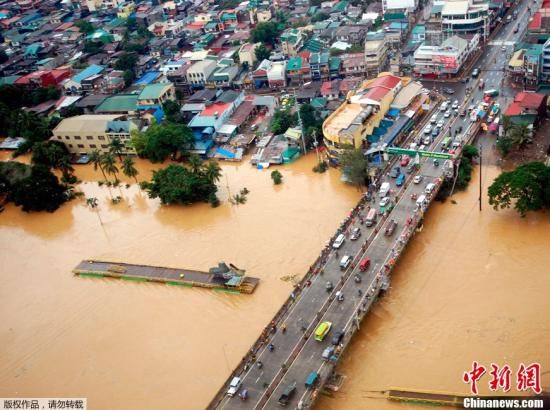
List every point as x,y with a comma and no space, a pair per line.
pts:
87,72
199,121
147,78
225,153
393,112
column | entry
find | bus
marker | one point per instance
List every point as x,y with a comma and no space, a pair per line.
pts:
445,143
322,330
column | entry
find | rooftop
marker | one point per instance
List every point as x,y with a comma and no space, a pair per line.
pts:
154,91
85,123
118,103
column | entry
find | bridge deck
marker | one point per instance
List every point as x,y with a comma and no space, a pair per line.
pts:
172,276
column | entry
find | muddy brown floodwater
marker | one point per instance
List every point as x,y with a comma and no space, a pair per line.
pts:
126,345
471,286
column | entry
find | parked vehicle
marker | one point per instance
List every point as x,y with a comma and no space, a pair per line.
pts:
421,201
329,286
400,180
345,261
428,129
371,217
337,337
339,296
384,201
364,265
447,114
444,106
288,392
394,173
440,124
429,188
390,228
417,179
340,239
405,160
311,380
384,189
433,120
234,386
355,234
455,105
435,132
475,72
328,352
322,330
516,29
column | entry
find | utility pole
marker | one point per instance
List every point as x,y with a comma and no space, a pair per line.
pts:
300,121
480,163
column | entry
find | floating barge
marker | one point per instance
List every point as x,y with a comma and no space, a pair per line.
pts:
223,277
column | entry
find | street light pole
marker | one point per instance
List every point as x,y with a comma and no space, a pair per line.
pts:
480,163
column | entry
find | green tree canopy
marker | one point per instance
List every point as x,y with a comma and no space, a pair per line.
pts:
162,140
176,184
355,166
262,52
528,186
129,169
281,121
265,32
85,26
40,191
172,110
126,61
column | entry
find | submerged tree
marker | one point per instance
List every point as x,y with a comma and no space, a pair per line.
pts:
355,166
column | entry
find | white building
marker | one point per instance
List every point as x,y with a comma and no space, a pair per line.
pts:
198,73
444,60
465,18
376,55
392,6
276,74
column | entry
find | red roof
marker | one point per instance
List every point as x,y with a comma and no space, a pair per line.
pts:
195,26
376,93
388,81
304,54
326,88
64,26
530,100
217,107
545,4
536,21
513,109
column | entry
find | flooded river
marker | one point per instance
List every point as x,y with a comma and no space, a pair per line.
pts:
471,286
145,346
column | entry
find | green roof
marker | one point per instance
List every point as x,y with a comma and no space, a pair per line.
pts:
534,50
314,45
32,49
334,63
340,7
319,102
394,16
228,16
294,63
9,80
153,91
118,103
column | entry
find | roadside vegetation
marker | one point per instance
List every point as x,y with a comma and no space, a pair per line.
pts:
464,174
355,166
526,189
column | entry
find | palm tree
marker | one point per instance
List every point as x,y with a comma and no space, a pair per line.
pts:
109,165
116,147
96,159
195,163
92,203
128,168
213,171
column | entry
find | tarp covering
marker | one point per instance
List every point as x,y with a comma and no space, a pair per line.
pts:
394,112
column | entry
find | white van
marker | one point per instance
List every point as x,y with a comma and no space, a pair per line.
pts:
371,217
340,239
421,201
433,120
430,188
345,261
384,189
444,106
413,146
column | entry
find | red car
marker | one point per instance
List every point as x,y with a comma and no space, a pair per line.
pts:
405,161
364,265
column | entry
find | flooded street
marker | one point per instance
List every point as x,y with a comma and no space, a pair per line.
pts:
136,345
472,286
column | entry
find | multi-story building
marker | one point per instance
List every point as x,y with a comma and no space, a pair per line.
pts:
156,94
298,70
399,6
351,34
526,67
319,65
95,5
291,41
465,18
198,73
353,65
83,134
169,29
545,69
276,74
444,60
376,55
247,54
358,116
